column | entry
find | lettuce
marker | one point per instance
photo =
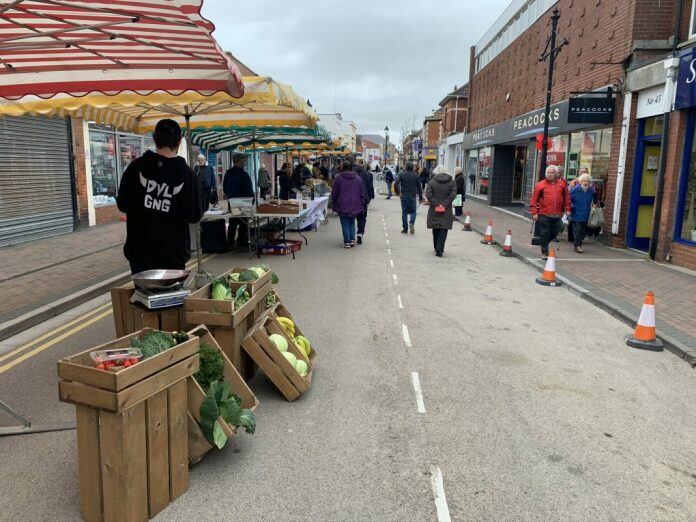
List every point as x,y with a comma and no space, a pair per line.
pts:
219,402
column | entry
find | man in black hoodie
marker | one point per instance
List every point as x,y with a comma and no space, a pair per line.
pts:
369,185
160,195
237,184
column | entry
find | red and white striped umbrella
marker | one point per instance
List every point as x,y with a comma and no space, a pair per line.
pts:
77,47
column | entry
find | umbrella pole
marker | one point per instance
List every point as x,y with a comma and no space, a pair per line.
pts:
201,278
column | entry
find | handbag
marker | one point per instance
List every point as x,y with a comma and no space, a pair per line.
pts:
457,201
596,219
439,209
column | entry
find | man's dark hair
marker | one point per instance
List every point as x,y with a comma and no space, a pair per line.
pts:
409,165
345,166
167,134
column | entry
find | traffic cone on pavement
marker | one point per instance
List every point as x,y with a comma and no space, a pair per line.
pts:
507,246
488,236
644,334
549,276
467,222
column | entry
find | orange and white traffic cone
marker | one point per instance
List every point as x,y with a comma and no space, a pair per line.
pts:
467,222
644,334
549,276
507,246
488,236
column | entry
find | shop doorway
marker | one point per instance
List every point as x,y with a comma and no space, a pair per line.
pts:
519,174
643,194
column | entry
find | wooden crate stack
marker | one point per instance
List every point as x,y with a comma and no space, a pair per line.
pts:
132,317
132,430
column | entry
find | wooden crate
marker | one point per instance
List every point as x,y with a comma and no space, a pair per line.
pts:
131,317
252,286
132,431
196,395
227,326
262,350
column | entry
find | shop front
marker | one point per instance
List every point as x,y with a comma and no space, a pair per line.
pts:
503,160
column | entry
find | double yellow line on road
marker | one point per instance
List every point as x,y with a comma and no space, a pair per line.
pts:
72,327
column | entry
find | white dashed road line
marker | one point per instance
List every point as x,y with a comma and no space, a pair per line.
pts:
443,514
419,393
398,300
391,263
387,242
396,281
389,251
407,338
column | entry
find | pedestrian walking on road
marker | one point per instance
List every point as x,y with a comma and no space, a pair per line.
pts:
161,195
369,184
582,199
206,176
461,190
408,187
424,177
440,191
263,182
237,184
550,200
389,178
348,200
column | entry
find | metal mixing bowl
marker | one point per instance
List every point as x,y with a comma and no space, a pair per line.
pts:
159,279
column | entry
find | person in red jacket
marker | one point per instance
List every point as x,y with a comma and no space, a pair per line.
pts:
550,200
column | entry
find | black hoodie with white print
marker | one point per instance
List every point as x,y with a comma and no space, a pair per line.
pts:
160,197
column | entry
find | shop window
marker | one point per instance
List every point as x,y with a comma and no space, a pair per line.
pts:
591,150
654,126
102,147
686,211
484,170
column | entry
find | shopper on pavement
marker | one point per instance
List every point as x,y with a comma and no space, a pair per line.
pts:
237,184
389,178
348,200
161,195
461,189
263,182
582,198
440,191
408,187
206,175
550,200
424,177
283,180
369,184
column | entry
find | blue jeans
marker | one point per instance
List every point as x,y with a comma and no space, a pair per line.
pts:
348,228
408,209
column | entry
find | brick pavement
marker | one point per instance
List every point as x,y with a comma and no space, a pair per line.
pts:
617,276
37,273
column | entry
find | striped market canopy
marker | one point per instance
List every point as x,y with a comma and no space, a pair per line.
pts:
71,48
266,137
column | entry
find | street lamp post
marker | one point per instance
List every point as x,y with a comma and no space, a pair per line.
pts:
386,144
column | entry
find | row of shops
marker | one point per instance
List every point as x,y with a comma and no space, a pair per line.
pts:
623,154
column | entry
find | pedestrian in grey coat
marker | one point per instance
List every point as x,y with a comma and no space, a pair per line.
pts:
440,192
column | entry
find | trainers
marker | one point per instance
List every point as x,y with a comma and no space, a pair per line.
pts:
544,256
404,231
360,240
352,244
411,228
346,245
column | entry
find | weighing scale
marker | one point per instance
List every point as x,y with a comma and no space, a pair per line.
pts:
156,299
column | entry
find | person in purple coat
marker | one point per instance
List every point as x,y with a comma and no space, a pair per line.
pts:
348,199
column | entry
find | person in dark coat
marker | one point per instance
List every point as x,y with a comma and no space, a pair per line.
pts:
161,195
369,185
424,177
460,183
237,184
348,200
296,181
582,199
440,191
408,187
389,178
206,174
283,178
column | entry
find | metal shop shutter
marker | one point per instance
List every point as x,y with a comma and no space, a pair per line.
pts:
36,198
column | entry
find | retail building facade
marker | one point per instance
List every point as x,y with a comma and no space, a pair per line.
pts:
618,50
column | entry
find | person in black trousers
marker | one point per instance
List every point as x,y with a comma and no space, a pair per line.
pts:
237,184
440,191
368,183
460,183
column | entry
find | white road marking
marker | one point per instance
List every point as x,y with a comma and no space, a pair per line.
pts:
389,251
419,393
391,263
386,235
407,338
387,242
398,300
396,281
443,514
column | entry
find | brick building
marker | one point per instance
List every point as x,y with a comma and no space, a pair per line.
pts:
612,44
431,139
454,107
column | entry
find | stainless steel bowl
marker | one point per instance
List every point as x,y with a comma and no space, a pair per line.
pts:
159,279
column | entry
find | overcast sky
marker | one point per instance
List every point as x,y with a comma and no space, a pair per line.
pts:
377,62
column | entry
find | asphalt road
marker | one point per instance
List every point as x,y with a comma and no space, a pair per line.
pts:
532,406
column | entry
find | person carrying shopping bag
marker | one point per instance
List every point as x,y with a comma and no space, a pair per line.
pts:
440,191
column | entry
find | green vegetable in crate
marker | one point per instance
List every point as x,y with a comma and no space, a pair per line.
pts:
241,297
271,299
234,276
212,367
180,337
265,268
153,343
221,289
249,275
219,402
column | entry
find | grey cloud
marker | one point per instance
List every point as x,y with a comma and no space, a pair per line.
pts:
377,62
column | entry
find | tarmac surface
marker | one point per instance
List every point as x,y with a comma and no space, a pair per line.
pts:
532,407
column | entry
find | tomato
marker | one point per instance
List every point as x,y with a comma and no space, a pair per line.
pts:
109,365
101,366
134,360
126,363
